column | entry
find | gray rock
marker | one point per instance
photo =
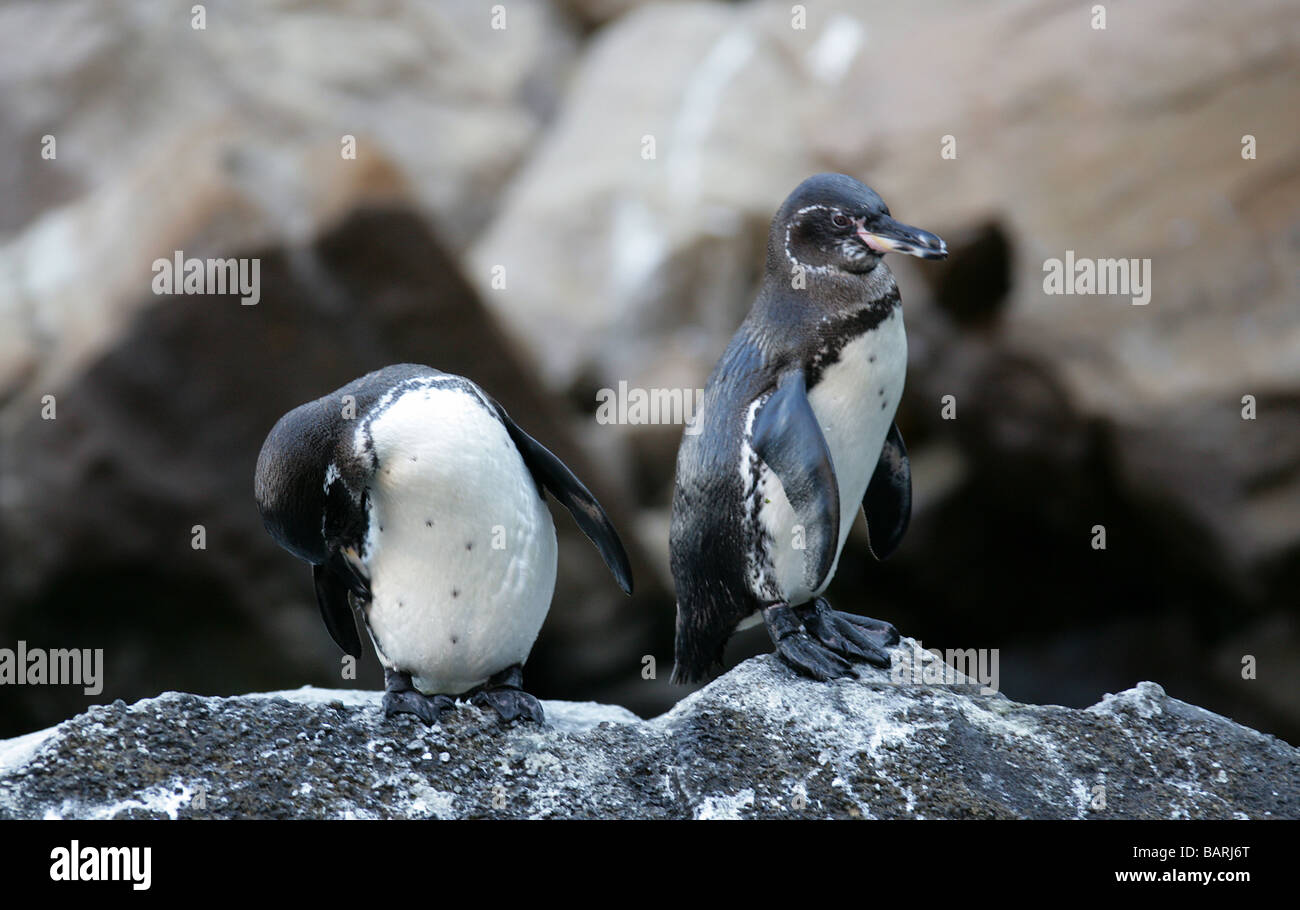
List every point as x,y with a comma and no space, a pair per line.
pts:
436,88
595,13
654,195
757,743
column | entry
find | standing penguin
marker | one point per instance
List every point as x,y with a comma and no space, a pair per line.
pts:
420,503
796,429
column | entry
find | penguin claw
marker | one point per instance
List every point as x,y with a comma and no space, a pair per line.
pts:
428,708
858,638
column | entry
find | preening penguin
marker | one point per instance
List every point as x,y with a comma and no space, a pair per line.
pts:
795,431
420,504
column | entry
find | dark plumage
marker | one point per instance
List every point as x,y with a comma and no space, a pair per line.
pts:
824,289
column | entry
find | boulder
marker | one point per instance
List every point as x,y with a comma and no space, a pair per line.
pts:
758,742
455,102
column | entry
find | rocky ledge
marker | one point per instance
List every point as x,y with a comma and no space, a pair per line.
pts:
757,742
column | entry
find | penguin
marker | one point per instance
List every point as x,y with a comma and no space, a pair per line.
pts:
420,505
795,432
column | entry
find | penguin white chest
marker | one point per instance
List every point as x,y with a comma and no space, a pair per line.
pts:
461,549
854,402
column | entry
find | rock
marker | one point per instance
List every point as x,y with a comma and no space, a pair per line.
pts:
462,101
69,286
1161,384
758,742
636,230
594,13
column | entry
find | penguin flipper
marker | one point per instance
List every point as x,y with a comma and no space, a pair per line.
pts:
888,500
554,476
788,438
332,596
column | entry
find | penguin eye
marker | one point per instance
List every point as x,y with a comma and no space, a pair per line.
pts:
840,221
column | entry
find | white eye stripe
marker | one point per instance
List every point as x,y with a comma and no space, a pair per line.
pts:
847,247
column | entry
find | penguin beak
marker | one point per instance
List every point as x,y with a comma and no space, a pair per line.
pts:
889,236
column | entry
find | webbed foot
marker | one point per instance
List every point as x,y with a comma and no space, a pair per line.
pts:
857,638
799,649
401,697
504,694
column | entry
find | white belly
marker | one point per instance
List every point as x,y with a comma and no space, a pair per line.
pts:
461,549
855,417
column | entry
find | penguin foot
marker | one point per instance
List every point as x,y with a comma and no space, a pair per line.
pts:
858,638
400,697
799,649
428,708
503,693
882,633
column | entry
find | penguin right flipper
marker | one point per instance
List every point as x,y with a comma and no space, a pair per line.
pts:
888,500
789,440
332,596
553,475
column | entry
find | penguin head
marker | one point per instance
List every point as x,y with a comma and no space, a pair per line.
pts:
832,221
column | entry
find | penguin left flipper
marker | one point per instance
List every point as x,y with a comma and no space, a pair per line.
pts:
788,438
332,598
553,475
888,500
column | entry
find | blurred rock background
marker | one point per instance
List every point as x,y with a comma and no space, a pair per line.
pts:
614,164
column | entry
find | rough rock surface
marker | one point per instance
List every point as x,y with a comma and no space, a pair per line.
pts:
757,743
